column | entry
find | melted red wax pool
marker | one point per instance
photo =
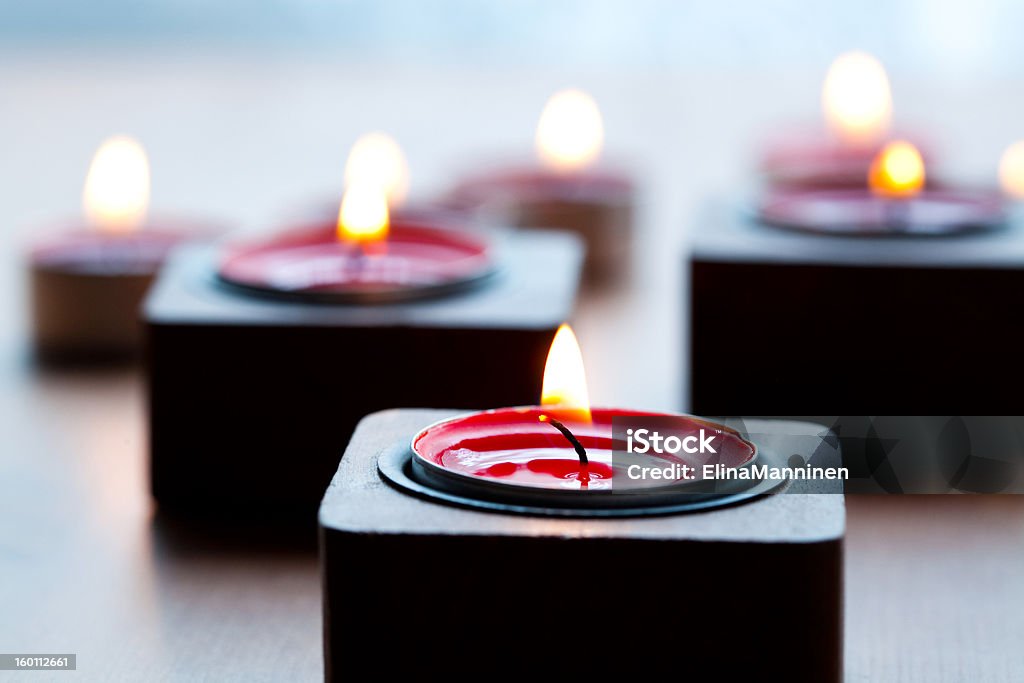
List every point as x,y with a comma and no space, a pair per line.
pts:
514,446
557,468
312,259
520,429
570,469
501,469
560,468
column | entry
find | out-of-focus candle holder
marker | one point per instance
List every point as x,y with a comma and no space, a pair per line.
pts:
87,280
569,190
260,374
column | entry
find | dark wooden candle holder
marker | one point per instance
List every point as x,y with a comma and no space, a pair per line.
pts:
252,400
750,592
852,325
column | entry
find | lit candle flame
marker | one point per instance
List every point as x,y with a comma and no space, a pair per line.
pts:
570,132
897,171
377,158
565,381
856,98
116,193
363,216
1011,170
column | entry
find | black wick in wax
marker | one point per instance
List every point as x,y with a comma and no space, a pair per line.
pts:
580,450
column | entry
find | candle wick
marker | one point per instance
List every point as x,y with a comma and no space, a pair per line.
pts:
577,446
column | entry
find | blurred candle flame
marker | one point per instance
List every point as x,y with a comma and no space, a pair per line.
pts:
565,381
570,132
377,158
856,99
1011,170
116,193
363,216
897,171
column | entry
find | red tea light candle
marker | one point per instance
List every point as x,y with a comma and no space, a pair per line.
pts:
856,104
561,452
377,159
895,202
364,256
87,283
568,189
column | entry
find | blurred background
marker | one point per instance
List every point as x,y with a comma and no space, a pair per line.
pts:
951,37
248,109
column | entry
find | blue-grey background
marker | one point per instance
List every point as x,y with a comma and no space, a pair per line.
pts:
247,110
952,37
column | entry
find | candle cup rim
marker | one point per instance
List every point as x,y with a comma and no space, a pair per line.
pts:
395,465
66,246
480,256
990,211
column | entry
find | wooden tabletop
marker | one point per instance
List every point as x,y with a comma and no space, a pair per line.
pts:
933,587
933,583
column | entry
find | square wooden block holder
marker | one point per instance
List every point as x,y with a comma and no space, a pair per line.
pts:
852,325
604,224
418,588
252,400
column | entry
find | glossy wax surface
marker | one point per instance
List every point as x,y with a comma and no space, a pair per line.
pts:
514,446
315,260
933,211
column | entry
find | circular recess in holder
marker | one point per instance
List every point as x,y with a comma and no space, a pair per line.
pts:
857,212
417,260
399,468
